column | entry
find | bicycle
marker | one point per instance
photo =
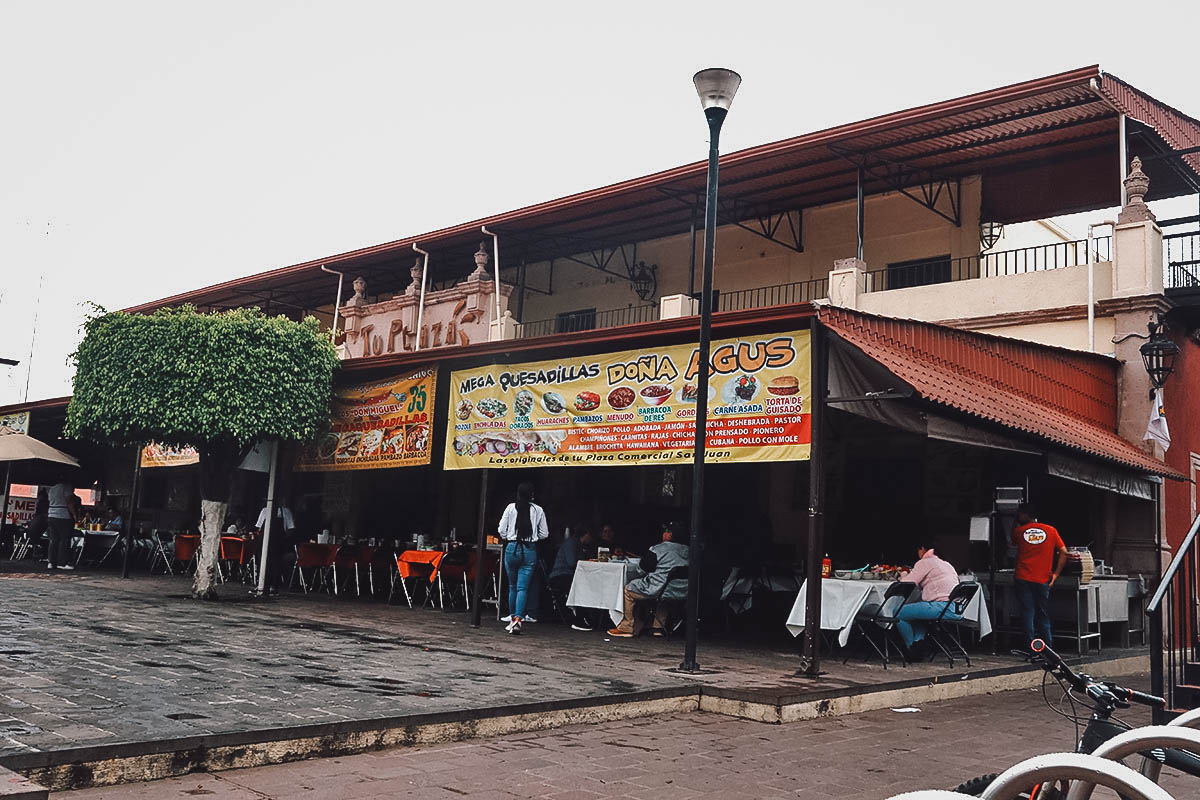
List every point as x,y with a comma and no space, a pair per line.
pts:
1104,698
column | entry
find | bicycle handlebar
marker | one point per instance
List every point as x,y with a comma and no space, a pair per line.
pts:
1101,691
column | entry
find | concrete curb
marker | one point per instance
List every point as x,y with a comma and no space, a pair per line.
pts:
104,765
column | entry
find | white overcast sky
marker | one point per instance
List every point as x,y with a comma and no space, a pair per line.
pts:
148,148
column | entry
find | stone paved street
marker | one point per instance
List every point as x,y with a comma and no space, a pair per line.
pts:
679,757
89,659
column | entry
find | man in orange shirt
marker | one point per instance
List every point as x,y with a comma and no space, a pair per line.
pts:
1041,556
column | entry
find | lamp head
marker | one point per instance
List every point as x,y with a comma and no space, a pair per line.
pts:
716,87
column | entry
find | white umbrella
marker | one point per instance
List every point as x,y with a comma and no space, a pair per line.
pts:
19,447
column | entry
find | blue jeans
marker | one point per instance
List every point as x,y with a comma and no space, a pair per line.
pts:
910,622
1034,599
520,559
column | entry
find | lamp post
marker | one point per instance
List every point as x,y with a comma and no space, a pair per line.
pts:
716,88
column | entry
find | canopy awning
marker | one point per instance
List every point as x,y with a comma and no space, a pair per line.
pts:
1061,398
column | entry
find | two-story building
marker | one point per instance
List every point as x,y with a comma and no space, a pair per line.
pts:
972,344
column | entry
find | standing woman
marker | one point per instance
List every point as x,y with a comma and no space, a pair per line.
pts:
522,526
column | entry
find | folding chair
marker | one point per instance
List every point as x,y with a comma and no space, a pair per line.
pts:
675,574
943,631
452,576
186,545
158,550
321,559
236,555
354,556
882,617
22,544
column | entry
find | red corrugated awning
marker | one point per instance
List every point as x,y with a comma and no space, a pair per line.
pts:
1064,397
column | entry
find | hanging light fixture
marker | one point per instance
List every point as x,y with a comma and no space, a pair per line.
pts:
989,234
644,279
1158,354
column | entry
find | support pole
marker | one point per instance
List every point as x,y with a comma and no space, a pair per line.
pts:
133,505
692,259
481,551
1123,156
421,301
859,183
7,491
264,556
816,502
715,117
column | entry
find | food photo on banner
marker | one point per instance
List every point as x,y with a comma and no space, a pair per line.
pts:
635,407
385,423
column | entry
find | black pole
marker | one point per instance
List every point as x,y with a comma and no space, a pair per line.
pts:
7,500
859,183
816,502
133,504
481,552
692,259
715,117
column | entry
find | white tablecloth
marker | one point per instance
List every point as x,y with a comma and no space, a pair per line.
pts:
600,584
842,600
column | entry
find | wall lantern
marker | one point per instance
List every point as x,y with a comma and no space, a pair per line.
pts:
644,279
989,234
1158,354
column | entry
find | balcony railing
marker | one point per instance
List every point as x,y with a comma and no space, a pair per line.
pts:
1181,260
588,320
988,265
777,295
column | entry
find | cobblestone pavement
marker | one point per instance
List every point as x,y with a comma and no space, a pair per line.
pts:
89,659
677,757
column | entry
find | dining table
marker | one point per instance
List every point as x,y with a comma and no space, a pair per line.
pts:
601,585
842,600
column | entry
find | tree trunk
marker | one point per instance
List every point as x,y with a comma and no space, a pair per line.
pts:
212,516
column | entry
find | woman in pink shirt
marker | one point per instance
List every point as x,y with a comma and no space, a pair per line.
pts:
936,578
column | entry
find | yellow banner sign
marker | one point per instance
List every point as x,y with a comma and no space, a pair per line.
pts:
375,425
635,407
157,455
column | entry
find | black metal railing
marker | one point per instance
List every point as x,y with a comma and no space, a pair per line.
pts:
1175,630
588,320
1181,260
989,265
777,295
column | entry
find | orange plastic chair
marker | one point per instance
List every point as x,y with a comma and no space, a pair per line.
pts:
237,554
186,545
491,573
356,556
321,559
418,566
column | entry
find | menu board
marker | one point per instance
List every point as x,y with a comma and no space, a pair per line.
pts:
374,425
635,407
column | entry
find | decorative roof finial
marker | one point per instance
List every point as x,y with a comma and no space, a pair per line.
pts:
481,260
1137,184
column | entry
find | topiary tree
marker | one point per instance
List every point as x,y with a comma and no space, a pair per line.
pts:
217,382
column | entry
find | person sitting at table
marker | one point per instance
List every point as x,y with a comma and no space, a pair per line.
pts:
936,579
671,552
573,548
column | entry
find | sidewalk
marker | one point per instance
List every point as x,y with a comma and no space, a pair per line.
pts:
677,757
88,659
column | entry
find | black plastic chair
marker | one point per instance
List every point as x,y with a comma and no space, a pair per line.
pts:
881,619
943,631
674,574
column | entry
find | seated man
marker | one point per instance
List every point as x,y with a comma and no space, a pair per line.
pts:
936,578
663,557
563,572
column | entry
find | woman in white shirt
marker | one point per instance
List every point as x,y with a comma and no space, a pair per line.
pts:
522,526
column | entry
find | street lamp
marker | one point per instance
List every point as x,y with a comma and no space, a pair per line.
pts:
716,88
1158,356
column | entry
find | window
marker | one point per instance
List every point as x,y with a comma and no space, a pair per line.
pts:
921,272
571,321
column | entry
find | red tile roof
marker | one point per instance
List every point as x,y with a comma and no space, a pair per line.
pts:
1061,396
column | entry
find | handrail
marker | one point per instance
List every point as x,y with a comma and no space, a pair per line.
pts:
1176,562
